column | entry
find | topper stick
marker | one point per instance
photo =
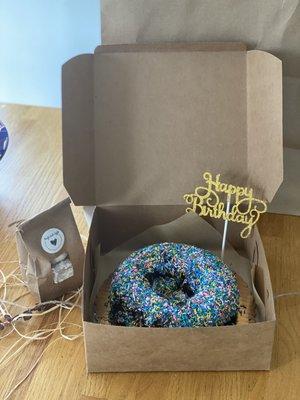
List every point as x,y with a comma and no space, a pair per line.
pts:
225,228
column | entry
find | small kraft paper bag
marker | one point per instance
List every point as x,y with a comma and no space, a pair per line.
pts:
51,252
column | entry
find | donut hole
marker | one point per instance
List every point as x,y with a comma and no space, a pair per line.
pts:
168,286
173,285
187,290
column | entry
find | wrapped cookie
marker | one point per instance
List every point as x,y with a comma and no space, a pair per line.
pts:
51,253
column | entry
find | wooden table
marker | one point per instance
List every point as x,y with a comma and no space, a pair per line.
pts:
30,181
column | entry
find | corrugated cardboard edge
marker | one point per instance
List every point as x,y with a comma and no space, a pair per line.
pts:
169,47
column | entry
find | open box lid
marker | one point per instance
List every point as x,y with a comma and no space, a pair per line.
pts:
141,123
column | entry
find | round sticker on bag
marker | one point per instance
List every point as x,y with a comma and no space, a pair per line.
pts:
52,240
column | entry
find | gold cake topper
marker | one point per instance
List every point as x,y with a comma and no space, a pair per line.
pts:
206,201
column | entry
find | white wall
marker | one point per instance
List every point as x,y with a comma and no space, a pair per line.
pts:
36,38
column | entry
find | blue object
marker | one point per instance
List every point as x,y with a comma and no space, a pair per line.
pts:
3,140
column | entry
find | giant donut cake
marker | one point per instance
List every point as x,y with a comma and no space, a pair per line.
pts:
173,285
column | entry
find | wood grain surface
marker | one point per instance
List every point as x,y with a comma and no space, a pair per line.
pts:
31,181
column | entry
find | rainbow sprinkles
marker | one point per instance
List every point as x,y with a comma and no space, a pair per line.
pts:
206,201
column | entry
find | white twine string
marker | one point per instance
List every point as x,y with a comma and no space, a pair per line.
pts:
69,303
286,294
10,262
84,239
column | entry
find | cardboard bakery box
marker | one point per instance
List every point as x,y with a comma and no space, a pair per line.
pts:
141,123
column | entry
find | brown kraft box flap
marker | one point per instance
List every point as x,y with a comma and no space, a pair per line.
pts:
155,117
